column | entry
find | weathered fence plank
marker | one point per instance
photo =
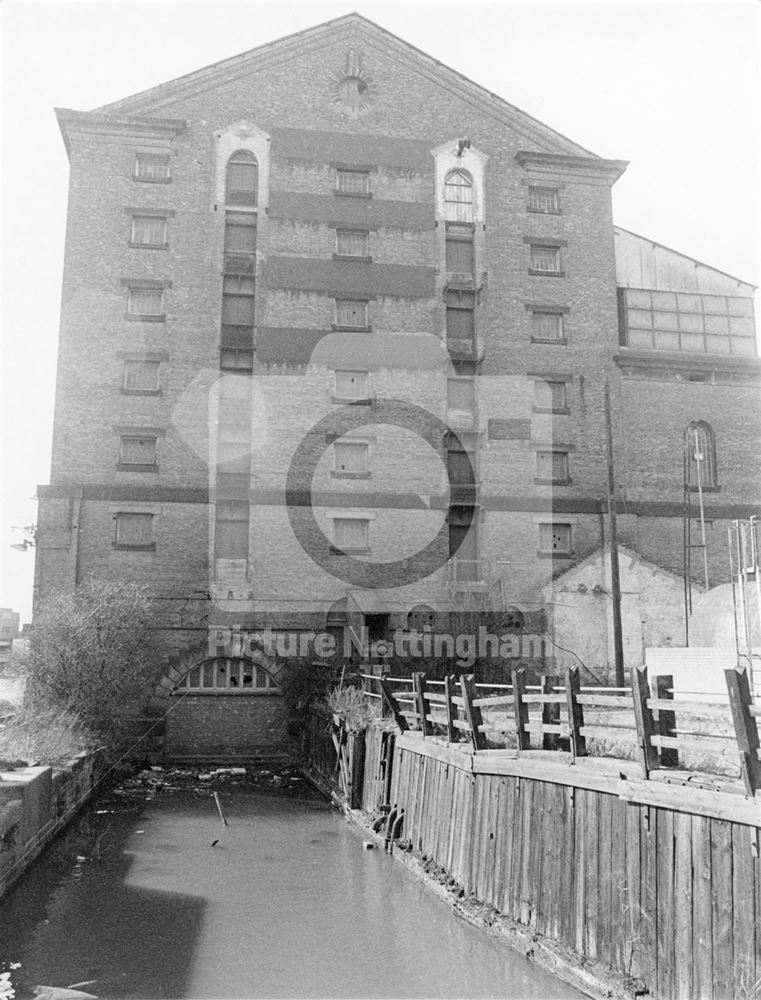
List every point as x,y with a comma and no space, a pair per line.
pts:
666,724
702,919
520,708
745,974
643,718
746,728
721,897
472,712
664,888
683,944
575,712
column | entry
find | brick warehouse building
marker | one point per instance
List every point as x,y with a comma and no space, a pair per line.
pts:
337,326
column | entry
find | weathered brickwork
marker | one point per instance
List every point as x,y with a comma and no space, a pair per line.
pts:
224,724
419,116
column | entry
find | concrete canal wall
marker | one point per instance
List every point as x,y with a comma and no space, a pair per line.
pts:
36,803
659,884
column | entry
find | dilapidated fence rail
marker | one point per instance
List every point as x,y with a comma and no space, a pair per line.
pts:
653,725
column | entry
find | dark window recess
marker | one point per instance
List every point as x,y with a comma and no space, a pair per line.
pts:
231,529
463,544
238,299
233,485
421,618
461,467
242,179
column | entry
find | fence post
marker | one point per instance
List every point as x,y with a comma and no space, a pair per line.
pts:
520,708
666,724
357,768
472,712
453,734
746,728
422,703
393,704
550,714
575,712
643,716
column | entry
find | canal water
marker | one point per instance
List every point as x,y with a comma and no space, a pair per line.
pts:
150,896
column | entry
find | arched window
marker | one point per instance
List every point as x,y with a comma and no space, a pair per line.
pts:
421,618
700,455
242,179
458,196
228,673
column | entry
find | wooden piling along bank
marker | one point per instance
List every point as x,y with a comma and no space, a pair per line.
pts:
655,879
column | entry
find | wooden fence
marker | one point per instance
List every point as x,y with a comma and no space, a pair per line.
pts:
642,865
657,727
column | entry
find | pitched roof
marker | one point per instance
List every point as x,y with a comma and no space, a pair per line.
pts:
291,46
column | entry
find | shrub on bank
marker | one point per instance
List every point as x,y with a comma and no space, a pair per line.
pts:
92,659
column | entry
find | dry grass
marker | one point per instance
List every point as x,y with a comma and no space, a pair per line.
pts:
49,737
357,711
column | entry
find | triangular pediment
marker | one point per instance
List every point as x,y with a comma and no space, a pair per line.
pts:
357,32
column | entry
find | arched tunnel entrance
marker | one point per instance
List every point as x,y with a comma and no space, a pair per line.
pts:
220,706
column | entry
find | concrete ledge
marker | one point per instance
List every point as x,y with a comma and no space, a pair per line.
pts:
36,803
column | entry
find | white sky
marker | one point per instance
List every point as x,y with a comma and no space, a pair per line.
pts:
674,87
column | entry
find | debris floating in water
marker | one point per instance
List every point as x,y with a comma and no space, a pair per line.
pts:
214,843
219,807
63,992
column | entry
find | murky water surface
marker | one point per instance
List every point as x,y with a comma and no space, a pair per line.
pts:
287,904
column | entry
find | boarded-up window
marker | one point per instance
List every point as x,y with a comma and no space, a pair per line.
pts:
231,529
242,178
141,376
351,385
461,394
353,182
458,196
134,531
552,466
148,230
460,315
550,396
459,249
351,313
351,243
238,299
351,534
555,538
351,457
137,451
547,325
240,234
145,301
152,167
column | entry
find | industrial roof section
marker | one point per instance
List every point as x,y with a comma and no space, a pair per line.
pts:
644,263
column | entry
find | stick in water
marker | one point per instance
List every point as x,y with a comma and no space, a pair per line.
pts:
219,806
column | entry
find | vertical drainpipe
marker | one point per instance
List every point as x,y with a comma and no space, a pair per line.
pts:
615,575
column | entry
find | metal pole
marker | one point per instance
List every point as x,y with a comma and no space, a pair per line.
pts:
615,572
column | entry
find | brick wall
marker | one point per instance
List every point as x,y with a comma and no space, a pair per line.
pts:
207,724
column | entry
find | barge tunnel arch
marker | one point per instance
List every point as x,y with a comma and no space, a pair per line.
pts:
219,705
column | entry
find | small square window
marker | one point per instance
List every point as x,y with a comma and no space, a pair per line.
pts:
137,452
552,396
353,182
141,376
145,301
351,314
543,199
351,385
240,233
134,531
148,231
547,325
555,539
152,167
552,466
351,534
544,259
351,458
233,359
352,243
